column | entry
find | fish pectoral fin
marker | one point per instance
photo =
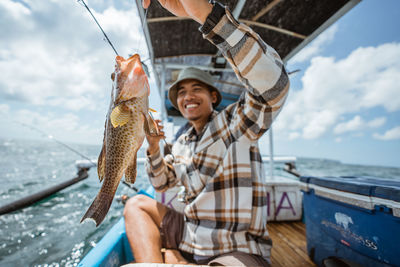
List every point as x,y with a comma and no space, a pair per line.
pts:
150,126
120,115
131,171
101,162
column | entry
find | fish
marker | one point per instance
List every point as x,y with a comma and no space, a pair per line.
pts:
127,122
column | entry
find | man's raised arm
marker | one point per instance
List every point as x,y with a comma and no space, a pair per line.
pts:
258,67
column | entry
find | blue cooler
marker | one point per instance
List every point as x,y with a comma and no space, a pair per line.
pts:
353,220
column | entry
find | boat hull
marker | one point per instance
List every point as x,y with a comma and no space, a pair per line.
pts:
112,250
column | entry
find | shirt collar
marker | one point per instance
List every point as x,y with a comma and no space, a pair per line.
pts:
191,134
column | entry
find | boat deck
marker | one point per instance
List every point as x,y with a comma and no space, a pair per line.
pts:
289,244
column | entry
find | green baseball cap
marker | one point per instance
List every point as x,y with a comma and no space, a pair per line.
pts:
197,74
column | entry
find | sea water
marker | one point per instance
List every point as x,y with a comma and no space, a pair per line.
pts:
49,233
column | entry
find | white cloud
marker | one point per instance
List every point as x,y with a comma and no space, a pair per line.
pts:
358,124
14,9
294,135
66,127
4,109
315,47
391,134
49,56
378,122
367,78
74,104
318,123
353,125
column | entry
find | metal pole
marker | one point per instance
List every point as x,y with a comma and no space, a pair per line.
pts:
34,198
271,154
162,87
238,8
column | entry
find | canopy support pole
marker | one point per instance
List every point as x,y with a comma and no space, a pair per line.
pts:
271,154
162,87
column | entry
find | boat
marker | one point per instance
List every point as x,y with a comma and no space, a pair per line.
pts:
348,221
299,228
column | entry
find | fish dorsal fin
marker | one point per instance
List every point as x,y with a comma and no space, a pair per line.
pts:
120,115
130,173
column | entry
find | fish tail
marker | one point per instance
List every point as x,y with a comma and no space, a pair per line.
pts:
99,208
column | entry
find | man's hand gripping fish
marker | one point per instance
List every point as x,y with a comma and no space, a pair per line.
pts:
128,121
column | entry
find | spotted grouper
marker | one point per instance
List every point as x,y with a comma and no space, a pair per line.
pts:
128,120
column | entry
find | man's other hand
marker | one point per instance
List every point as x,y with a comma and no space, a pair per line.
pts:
154,140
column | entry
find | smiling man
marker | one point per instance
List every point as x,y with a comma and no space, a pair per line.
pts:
217,160
195,96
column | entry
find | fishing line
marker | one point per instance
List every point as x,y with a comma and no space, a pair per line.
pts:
55,140
146,69
105,35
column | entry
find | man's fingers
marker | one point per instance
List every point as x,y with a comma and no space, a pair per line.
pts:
159,125
145,3
160,134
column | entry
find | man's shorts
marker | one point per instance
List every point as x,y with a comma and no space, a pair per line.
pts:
171,232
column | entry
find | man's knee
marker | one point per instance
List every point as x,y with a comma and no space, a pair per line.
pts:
136,204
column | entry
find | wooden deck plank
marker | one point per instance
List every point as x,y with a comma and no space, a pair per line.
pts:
289,244
295,240
296,237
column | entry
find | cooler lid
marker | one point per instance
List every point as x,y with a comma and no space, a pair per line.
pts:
368,186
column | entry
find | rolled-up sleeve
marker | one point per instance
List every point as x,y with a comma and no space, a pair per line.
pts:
160,171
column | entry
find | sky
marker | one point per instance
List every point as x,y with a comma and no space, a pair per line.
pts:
343,104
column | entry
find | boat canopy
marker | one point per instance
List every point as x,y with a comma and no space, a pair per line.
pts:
287,25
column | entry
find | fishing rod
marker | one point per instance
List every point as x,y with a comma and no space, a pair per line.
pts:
108,40
293,72
56,140
138,191
105,35
47,192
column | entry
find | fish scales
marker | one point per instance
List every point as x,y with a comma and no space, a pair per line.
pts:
126,125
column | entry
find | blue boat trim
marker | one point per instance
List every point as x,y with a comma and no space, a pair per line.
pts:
113,249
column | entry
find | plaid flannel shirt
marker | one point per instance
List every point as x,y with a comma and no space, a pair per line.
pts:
221,168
